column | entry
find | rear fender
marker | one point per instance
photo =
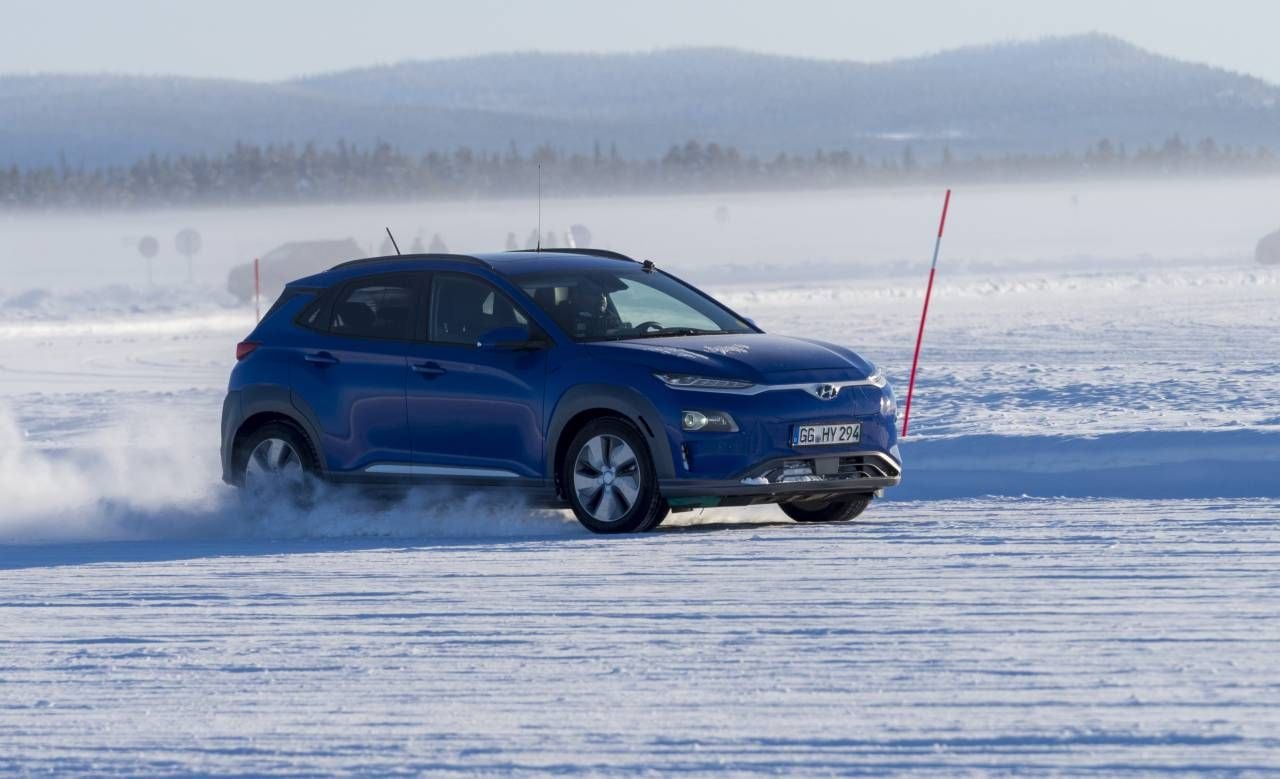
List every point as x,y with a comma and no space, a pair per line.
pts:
247,402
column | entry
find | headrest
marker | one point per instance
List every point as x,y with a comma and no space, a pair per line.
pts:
353,316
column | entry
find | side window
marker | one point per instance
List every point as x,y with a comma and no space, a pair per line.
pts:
312,316
380,308
463,308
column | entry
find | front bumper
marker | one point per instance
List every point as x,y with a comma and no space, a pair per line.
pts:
807,476
767,422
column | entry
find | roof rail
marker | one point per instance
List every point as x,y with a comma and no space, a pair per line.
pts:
463,258
588,252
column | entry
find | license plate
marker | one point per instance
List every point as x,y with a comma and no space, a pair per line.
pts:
826,435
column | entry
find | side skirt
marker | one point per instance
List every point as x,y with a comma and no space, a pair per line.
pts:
398,479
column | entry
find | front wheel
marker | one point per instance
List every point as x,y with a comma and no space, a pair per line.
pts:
610,481
839,510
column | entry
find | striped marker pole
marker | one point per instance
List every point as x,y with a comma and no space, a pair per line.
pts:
915,361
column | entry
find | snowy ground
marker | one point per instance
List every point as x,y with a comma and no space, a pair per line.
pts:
984,635
1080,571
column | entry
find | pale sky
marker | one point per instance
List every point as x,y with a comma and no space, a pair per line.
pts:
274,39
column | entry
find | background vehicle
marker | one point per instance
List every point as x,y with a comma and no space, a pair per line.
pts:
1268,251
581,376
289,261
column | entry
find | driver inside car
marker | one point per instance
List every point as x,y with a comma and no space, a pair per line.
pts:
587,312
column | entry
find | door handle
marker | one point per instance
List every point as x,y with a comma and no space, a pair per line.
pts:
427,368
320,358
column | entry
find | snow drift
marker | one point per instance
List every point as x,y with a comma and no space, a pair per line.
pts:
1240,463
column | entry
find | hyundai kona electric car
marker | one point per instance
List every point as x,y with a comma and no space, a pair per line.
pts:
583,377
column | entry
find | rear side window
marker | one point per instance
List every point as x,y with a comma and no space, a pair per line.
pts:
312,316
374,309
463,308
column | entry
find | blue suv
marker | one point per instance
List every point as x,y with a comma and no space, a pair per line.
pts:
584,377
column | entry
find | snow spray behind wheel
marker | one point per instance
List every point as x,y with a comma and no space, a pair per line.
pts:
150,476
933,267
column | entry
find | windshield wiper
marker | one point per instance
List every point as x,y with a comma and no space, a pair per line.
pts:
670,331
666,332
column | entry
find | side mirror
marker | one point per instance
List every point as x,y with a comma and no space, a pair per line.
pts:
509,338
751,322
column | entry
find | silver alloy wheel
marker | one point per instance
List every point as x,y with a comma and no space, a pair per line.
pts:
606,476
273,464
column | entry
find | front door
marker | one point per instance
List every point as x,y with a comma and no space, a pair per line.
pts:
473,412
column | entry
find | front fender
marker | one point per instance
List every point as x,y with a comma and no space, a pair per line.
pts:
623,400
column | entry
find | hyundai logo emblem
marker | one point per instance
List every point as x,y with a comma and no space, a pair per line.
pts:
826,391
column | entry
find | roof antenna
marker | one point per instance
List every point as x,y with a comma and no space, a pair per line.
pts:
539,208
393,241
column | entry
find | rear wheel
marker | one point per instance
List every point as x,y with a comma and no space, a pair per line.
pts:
610,481
277,463
839,510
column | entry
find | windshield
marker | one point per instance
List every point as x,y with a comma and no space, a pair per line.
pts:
603,305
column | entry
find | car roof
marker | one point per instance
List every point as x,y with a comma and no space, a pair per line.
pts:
507,263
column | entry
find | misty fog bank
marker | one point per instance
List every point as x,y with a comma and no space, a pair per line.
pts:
708,238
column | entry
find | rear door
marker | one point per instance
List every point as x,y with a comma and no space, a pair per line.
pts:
474,413
350,371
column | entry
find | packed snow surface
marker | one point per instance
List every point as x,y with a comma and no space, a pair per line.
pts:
989,635
1078,573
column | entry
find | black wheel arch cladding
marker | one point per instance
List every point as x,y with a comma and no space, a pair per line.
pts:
620,401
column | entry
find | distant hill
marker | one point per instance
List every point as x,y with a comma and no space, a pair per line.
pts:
99,120
1048,96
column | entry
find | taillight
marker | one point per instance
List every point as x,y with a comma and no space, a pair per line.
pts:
244,349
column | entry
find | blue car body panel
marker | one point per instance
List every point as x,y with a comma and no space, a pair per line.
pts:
358,400
478,408
416,409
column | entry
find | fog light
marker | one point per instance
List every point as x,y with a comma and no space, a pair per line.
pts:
693,420
709,421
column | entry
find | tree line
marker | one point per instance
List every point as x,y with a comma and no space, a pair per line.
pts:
288,173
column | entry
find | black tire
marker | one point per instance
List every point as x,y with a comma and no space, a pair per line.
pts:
663,512
839,510
611,488
296,465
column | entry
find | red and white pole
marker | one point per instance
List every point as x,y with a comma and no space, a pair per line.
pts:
257,291
915,361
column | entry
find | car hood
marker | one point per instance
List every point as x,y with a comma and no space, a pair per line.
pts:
757,357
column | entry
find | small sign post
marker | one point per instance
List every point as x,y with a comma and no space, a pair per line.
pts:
148,247
188,243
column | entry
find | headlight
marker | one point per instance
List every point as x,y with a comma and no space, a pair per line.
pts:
685,381
708,421
877,379
888,404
